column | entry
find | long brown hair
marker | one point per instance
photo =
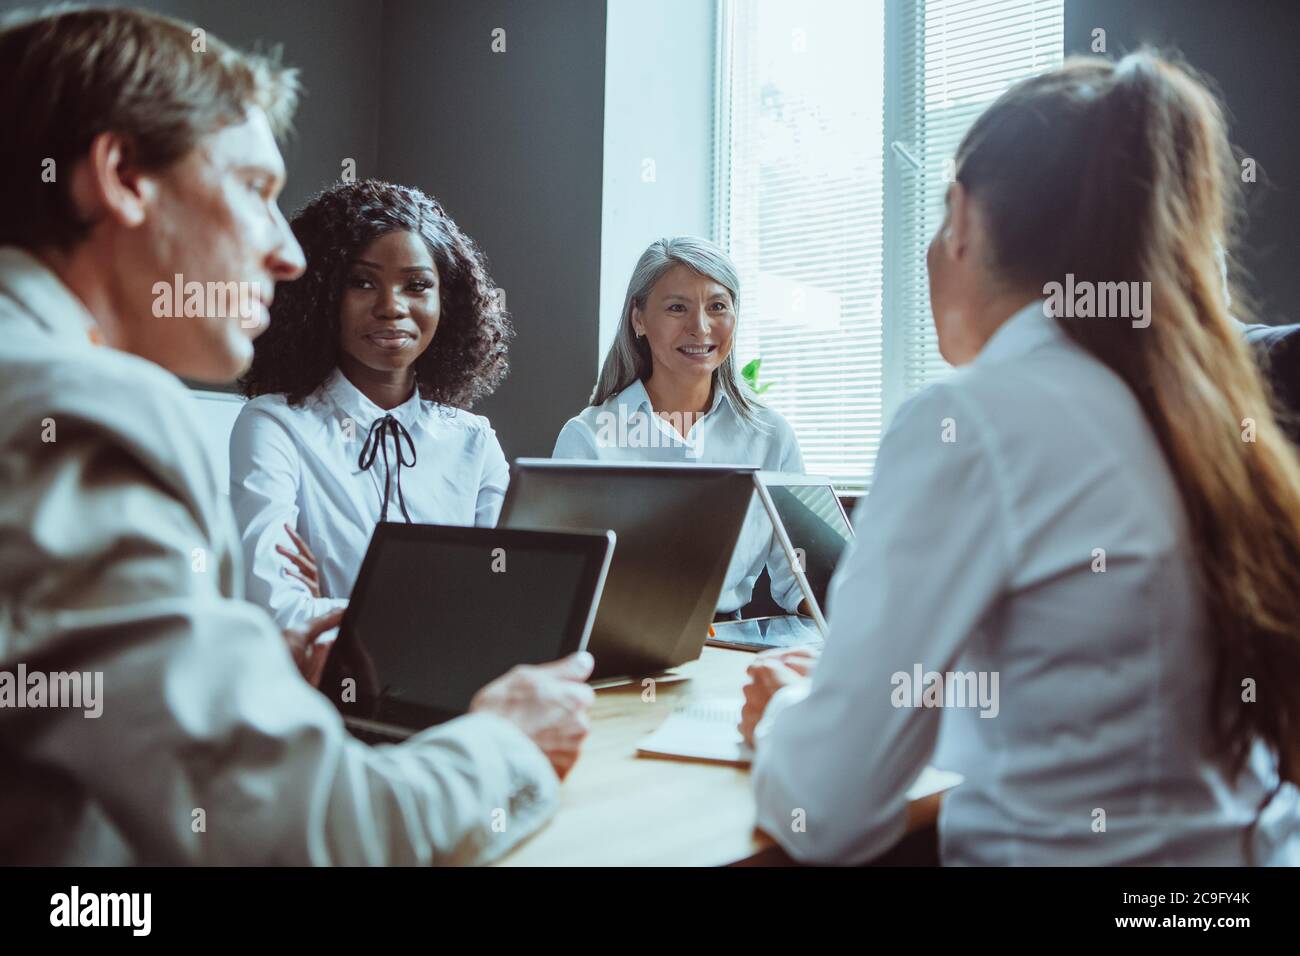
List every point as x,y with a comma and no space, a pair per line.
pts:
1122,172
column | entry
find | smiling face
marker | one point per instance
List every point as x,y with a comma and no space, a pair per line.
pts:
390,307
689,321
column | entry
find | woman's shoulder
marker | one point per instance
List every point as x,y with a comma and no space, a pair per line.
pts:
772,423
261,407
591,415
457,420
272,419
769,417
277,407
270,402
266,422
592,420
578,436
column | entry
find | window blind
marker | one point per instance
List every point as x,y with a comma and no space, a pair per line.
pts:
835,122
802,217
953,58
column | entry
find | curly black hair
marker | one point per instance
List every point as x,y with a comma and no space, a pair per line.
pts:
466,360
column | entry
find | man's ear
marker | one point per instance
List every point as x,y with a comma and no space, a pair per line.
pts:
107,183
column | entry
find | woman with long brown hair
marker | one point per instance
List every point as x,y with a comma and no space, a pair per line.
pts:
1081,553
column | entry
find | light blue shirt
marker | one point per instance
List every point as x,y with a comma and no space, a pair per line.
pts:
298,465
998,495
625,428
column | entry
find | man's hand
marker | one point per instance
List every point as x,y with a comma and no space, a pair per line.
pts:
548,702
771,671
307,653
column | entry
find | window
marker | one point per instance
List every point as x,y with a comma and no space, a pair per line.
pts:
837,120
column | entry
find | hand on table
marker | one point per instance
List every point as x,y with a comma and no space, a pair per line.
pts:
800,659
770,671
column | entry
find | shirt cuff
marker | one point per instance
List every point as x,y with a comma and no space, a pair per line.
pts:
514,776
534,785
302,613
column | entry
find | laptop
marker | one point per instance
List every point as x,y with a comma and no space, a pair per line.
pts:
677,526
437,612
813,530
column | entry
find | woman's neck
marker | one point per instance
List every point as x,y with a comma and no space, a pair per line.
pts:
677,396
385,389
996,311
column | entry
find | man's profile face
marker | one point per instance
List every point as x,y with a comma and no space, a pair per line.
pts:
213,220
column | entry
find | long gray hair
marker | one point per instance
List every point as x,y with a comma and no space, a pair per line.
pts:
629,358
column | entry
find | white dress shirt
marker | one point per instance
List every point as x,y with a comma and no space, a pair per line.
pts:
119,557
978,554
625,428
299,465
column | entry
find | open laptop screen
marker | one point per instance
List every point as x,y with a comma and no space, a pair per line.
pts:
437,612
817,529
677,526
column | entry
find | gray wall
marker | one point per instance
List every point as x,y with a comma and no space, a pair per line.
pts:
511,144
1249,48
336,46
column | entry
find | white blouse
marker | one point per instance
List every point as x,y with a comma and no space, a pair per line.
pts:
625,428
300,465
1024,535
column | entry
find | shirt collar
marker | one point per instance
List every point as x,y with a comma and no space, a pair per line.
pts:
636,397
42,294
1023,332
353,403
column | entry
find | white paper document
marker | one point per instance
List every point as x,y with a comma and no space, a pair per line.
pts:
705,730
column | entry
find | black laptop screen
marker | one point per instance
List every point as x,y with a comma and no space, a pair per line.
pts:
439,612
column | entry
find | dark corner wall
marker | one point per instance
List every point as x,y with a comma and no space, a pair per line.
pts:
511,144
336,46
1249,49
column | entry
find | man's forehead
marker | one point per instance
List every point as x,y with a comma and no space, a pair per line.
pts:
250,143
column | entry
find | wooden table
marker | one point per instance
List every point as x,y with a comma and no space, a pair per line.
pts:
623,810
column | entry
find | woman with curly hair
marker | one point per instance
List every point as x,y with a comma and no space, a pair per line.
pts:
359,393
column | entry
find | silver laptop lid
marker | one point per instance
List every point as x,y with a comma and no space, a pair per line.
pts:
812,528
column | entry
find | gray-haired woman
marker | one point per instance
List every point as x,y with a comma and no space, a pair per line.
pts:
669,392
